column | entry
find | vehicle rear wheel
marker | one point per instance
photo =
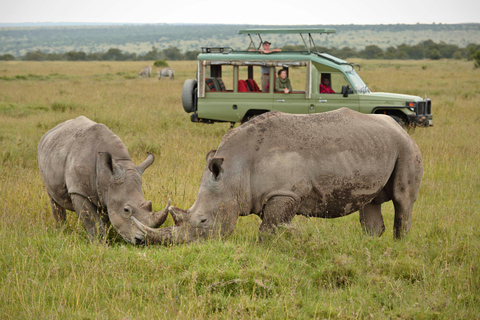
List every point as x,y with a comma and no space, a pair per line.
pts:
188,95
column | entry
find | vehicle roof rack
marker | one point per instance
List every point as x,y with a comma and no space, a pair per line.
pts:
300,31
216,49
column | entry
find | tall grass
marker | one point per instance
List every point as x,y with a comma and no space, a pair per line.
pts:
314,269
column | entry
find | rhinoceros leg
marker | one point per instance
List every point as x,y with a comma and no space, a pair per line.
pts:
277,211
403,218
59,212
405,187
371,219
88,215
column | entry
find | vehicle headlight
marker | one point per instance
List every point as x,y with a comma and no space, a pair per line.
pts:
411,106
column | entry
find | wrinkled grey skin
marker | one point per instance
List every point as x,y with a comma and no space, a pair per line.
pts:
86,168
166,72
325,165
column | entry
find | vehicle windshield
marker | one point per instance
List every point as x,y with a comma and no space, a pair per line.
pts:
360,86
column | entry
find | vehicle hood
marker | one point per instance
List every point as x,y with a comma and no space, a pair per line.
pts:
389,98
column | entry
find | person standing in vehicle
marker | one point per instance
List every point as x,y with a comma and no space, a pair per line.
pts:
282,83
264,69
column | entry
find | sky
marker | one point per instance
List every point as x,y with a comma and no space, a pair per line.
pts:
278,12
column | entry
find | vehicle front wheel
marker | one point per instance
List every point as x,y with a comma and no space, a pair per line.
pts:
399,121
188,95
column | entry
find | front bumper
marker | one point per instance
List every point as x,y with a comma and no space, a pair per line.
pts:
423,114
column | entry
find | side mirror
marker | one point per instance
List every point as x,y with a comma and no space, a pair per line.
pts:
345,91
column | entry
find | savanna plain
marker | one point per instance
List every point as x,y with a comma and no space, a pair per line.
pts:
313,269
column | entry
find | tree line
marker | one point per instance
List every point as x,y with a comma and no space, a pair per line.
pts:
113,54
423,50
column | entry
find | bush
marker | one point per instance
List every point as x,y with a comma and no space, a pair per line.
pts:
160,63
476,59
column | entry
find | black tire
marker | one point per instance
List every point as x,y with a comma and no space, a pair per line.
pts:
399,121
188,96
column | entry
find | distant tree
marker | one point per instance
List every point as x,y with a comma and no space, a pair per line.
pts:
76,56
346,52
372,52
55,57
410,52
476,59
472,49
34,56
458,55
113,54
447,50
154,54
95,56
173,53
7,57
391,53
433,54
191,55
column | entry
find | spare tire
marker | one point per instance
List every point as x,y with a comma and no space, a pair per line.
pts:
188,95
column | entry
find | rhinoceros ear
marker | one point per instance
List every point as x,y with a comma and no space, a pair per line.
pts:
105,161
210,155
215,166
145,164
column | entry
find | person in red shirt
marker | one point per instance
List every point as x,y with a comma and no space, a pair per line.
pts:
325,86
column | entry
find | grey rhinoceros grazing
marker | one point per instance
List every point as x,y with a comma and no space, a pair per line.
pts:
324,165
86,168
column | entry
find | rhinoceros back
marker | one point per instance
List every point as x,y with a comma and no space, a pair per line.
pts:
67,158
315,156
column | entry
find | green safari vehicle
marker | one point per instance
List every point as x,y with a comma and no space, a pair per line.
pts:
228,85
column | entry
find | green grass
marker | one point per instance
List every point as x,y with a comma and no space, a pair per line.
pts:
313,269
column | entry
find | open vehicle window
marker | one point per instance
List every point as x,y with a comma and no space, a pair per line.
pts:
298,78
218,78
335,81
249,79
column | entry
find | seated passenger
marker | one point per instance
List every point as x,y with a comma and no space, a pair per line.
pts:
325,86
282,83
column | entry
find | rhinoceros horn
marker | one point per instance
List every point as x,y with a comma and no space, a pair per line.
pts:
178,215
159,217
162,235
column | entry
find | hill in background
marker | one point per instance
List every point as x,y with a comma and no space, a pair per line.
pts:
140,38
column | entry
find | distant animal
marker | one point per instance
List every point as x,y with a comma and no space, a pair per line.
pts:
86,168
166,72
145,73
325,165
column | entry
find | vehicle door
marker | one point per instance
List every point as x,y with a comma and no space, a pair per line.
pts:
298,100
334,91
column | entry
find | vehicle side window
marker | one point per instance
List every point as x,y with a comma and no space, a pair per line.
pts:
249,79
338,80
332,82
298,78
219,78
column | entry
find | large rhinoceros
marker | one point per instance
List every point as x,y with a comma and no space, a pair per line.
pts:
324,165
86,168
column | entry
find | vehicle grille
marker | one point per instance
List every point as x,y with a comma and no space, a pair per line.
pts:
424,107
421,107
